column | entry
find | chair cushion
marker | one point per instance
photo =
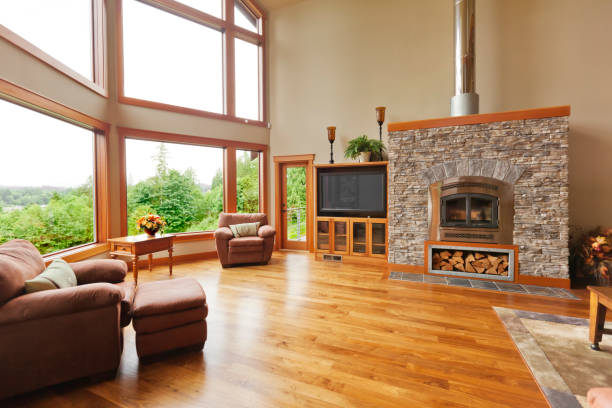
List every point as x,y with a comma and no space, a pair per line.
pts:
19,261
246,242
161,297
58,275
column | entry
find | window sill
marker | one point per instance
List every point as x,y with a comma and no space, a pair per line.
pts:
188,111
194,236
77,253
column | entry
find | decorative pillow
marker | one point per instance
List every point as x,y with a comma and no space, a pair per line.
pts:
245,230
57,275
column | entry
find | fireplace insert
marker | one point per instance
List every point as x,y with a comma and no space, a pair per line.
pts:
469,210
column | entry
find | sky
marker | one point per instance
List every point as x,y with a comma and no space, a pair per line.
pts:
39,150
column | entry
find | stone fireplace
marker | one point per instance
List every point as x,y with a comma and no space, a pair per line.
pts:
488,179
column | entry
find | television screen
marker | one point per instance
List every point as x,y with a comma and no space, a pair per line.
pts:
352,192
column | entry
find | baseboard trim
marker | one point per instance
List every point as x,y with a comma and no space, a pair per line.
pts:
544,281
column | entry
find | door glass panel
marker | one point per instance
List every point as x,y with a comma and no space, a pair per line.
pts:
378,238
340,235
323,235
455,210
359,237
296,203
481,210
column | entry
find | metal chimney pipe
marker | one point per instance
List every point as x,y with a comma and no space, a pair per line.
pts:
465,101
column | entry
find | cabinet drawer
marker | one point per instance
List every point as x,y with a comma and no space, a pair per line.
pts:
121,248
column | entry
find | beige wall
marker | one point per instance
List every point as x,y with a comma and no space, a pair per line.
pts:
22,69
332,62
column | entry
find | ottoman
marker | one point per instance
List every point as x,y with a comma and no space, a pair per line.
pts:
169,315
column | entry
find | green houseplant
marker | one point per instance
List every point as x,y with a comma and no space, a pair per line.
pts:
364,148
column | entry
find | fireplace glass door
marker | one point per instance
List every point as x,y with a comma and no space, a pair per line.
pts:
469,210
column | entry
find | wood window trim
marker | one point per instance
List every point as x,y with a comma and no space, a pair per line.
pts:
229,171
230,32
100,75
308,160
31,100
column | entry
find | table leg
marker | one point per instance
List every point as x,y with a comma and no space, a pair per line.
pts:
597,318
150,262
170,260
135,268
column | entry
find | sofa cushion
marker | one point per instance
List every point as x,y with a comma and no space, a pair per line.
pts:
99,270
248,229
246,242
167,296
19,261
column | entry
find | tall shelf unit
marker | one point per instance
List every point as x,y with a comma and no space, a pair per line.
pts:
358,236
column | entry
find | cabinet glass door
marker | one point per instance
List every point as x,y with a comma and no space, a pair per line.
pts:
341,230
360,237
323,234
378,238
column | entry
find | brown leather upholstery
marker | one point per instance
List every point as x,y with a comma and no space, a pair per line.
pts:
99,270
233,251
129,289
600,397
19,262
169,315
58,335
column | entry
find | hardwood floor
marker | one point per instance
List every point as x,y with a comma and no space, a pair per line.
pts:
306,333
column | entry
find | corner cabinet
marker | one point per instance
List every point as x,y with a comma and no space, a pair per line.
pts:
352,236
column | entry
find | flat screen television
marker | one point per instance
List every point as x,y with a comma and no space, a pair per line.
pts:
352,191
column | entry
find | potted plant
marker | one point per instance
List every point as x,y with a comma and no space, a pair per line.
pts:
363,148
151,223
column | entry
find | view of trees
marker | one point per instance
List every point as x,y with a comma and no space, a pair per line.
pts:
296,203
183,202
51,218
54,218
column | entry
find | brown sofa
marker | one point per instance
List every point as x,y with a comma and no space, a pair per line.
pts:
58,335
245,250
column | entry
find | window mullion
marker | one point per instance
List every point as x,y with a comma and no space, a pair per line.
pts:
230,60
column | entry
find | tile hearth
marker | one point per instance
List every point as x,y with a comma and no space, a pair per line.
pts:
481,284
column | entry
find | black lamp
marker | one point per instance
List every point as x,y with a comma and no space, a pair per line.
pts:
331,136
380,118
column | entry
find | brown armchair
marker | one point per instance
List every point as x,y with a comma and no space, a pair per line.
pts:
58,335
244,250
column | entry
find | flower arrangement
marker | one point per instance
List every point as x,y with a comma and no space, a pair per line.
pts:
151,223
592,255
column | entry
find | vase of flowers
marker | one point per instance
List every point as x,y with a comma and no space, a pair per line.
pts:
151,224
591,256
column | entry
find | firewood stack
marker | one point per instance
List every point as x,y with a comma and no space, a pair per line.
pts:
471,261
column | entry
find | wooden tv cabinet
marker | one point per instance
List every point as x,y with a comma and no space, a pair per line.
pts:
352,236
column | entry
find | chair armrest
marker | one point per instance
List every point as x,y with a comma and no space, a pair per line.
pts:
224,233
55,302
266,231
99,270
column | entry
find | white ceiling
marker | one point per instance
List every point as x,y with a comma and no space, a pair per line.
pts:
274,4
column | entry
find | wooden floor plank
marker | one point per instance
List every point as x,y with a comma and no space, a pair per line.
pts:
306,333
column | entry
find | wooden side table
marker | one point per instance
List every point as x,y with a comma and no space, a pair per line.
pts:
601,301
134,246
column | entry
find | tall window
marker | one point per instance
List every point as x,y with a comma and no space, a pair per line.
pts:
247,181
68,31
170,59
192,59
182,183
46,180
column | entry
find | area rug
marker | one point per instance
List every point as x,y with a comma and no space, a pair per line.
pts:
557,350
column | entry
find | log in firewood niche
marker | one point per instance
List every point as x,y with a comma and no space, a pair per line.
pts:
491,263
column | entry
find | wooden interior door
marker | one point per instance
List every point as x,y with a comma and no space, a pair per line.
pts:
294,200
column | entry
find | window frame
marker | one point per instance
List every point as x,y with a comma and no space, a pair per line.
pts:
230,31
99,84
229,172
37,103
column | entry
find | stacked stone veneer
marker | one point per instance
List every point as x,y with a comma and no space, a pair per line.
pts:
530,154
